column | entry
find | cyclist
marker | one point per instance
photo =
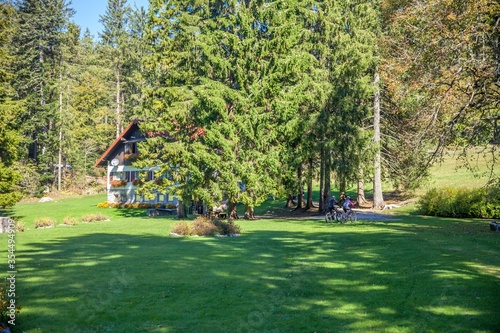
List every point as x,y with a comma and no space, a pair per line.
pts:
331,205
348,204
342,198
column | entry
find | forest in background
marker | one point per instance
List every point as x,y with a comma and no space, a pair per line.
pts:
273,94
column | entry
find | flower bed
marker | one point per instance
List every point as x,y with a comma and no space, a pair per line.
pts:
118,183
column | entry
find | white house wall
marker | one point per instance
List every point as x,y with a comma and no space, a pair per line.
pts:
127,194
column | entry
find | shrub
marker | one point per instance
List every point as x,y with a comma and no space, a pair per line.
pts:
20,226
94,217
182,228
203,226
137,205
227,228
44,222
68,220
461,203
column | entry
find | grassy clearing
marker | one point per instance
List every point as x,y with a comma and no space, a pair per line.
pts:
451,172
413,275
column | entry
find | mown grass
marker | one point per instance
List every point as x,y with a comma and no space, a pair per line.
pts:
416,274
412,275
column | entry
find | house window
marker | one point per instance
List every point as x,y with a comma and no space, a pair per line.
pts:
113,176
131,148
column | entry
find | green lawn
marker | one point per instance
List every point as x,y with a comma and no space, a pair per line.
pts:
412,275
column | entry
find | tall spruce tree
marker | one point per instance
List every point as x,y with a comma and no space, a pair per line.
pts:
115,40
10,108
235,73
134,67
345,35
292,88
38,46
89,117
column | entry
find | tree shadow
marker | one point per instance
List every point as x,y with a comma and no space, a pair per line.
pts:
332,279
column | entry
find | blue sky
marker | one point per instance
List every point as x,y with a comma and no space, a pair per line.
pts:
88,11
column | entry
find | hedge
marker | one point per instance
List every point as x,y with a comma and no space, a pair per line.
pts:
461,202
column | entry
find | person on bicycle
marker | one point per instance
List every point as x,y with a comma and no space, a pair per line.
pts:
342,198
331,204
347,205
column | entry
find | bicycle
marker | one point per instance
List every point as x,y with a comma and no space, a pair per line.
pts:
332,216
349,216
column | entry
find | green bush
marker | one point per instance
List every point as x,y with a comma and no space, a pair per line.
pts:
461,203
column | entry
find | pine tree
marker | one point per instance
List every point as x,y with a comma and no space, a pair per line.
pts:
345,35
115,41
91,128
232,73
9,110
38,46
134,67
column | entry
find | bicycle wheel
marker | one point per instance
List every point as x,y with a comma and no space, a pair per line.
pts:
338,216
328,217
352,216
343,218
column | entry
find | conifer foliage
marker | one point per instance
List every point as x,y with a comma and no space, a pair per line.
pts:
255,98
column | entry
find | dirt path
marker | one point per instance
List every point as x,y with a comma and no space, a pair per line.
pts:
362,214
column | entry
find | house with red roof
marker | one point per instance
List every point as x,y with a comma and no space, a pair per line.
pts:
122,177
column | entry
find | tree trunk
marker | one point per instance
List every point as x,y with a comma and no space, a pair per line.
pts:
181,210
342,183
59,157
322,204
118,103
289,201
300,195
361,187
309,203
378,199
231,211
328,170
249,213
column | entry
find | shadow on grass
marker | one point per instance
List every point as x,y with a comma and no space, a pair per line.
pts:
388,278
129,212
